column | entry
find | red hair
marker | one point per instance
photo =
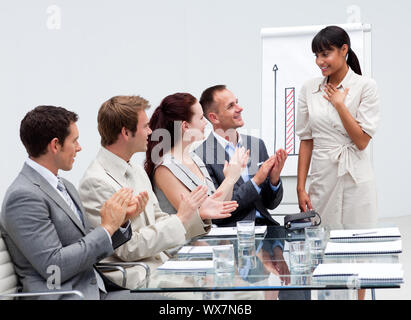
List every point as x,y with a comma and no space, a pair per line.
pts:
175,107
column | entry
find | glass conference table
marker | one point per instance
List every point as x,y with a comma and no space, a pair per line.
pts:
262,272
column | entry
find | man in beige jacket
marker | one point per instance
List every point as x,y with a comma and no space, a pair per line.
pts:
124,130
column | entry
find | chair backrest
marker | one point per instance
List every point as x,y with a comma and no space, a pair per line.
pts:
8,277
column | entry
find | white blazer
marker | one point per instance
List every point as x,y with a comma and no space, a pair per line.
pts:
154,231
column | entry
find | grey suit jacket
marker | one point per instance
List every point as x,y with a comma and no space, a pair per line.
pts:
249,200
47,242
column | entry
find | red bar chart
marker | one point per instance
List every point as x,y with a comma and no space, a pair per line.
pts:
290,147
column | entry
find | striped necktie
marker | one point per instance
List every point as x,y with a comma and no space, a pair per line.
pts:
62,188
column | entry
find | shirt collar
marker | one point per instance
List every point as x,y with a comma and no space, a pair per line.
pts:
113,163
343,84
44,172
224,143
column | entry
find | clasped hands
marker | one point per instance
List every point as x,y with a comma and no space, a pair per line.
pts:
121,207
271,168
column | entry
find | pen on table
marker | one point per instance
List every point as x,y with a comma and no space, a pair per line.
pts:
363,233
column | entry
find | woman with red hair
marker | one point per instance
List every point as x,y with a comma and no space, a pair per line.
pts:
174,170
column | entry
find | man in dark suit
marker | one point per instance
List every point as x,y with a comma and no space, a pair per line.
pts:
42,219
259,187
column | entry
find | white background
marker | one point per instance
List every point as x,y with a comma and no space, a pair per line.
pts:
155,48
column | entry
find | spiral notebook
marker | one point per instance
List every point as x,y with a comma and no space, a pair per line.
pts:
366,273
232,231
359,248
187,266
196,250
365,235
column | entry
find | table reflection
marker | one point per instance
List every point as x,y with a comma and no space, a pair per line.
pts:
262,271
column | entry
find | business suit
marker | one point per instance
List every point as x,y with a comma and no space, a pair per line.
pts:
249,200
41,232
154,231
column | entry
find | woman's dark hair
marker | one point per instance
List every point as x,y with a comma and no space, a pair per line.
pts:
43,124
336,37
175,107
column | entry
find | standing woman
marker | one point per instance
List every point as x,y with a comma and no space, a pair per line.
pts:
337,116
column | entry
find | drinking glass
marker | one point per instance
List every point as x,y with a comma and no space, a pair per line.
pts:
223,259
246,232
299,257
316,238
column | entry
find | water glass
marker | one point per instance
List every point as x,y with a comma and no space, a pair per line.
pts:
223,259
316,238
246,256
299,257
246,232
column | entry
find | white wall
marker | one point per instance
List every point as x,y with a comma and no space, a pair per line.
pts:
155,48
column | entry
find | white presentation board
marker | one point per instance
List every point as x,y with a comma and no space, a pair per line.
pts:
287,63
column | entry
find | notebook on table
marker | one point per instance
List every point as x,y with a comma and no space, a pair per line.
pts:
187,266
366,273
365,235
232,231
196,250
359,248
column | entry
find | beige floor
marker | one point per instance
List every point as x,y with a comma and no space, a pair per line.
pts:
404,293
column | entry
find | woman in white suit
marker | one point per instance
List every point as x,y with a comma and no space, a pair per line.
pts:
337,116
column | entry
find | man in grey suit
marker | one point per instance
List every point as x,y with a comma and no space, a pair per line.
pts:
42,219
259,187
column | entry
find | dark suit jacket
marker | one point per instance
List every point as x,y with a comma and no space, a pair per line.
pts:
214,155
42,232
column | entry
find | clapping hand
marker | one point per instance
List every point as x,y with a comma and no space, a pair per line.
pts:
190,203
237,164
280,157
136,206
114,210
264,170
217,209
